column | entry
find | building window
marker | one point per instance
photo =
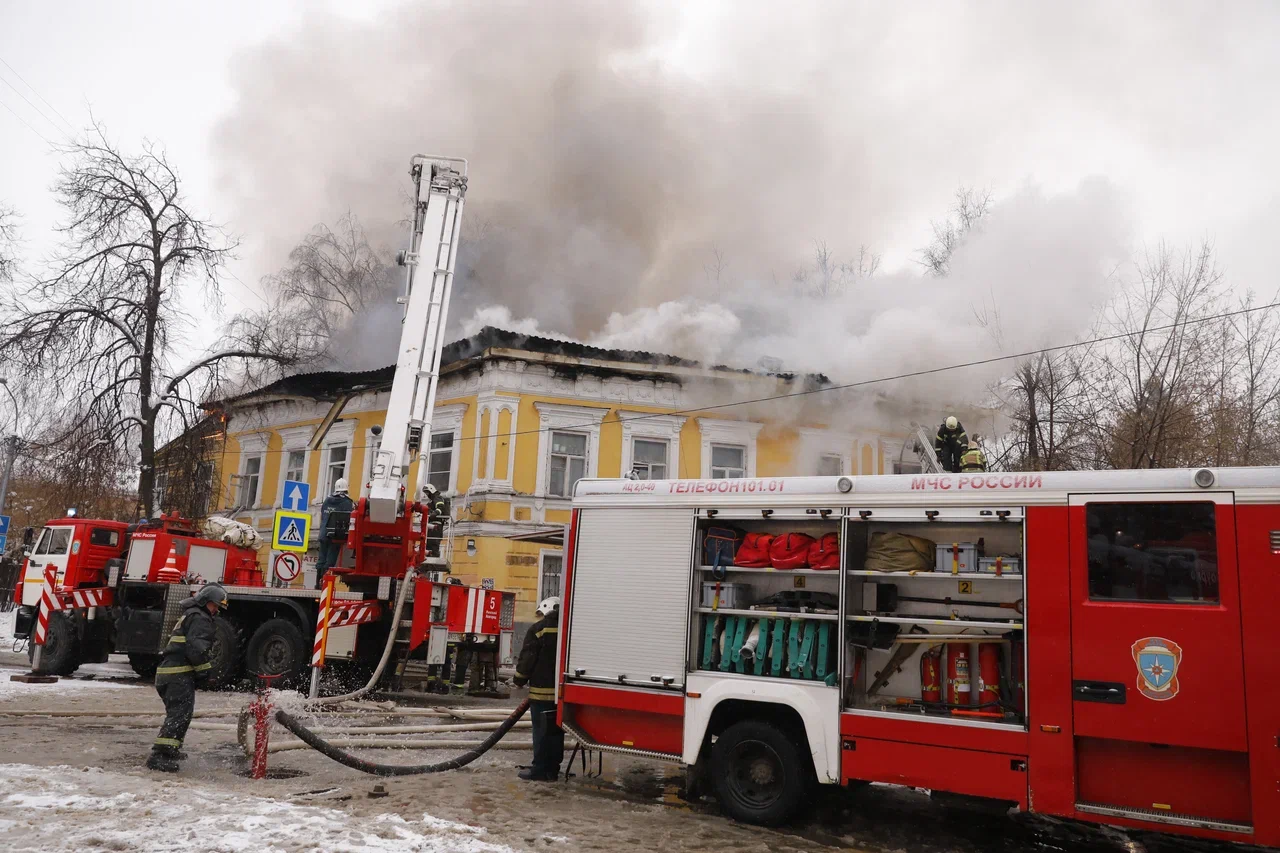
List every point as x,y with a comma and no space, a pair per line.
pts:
204,488
440,460
830,465
728,461
900,467
296,466
249,478
568,463
335,467
161,486
549,575
1153,552
649,458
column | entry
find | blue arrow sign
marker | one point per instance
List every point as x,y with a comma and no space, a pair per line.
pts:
297,495
4,540
4,525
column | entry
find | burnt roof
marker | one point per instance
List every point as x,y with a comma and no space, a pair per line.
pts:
327,384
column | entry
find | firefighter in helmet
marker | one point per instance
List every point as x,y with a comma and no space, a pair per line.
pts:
537,668
335,521
184,665
437,515
973,460
950,444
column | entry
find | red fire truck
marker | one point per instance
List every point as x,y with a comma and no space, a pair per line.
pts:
119,589
1090,645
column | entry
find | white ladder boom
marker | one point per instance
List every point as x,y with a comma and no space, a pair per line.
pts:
441,186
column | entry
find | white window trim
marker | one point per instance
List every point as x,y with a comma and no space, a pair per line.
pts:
369,439
644,425
741,433
816,443
557,416
294,438
449,419
340,435
542,556
253,445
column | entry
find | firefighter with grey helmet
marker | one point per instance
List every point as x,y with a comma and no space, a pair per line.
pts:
950,444
335,521
537,668
973,460
184,665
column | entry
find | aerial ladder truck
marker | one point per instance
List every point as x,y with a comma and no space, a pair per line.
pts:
91,588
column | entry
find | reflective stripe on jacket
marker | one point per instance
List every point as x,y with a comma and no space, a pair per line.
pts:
190,644
537,664
973,461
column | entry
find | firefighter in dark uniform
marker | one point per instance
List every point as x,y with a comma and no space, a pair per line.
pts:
950,444
437,515
335,522
537,668
184,665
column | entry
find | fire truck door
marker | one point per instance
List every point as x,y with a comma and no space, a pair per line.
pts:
52,549
1156,659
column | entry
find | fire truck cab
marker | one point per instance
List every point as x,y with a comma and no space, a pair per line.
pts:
1088,645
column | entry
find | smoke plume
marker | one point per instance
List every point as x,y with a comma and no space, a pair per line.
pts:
628,194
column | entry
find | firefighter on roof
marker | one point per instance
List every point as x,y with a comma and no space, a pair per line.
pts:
184,665
973,460
537,668
335,521
950,443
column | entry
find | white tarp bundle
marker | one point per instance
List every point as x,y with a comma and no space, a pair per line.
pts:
231,532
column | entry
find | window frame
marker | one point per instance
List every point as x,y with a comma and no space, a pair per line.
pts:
712,467
551,456
725,432
246,478
543,554
648,426
666,458
432,452
327,465
561,417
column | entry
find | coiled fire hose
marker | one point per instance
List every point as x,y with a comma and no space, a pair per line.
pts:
345,758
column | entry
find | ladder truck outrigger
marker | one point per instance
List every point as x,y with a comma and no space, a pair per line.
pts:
90,588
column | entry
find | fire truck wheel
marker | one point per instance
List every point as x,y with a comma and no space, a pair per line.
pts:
761,775
276,648
61,654
143,664
225,655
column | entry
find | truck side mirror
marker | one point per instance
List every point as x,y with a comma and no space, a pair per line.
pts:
28,536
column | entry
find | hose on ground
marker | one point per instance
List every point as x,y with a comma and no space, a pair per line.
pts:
376,769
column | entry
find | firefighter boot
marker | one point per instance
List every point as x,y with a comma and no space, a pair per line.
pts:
162,760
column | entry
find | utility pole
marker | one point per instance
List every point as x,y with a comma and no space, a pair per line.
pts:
11,448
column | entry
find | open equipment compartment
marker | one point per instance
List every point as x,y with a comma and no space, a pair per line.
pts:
760,620
944,639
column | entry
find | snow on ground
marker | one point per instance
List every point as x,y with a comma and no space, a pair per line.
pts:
7,621
66,809
107,677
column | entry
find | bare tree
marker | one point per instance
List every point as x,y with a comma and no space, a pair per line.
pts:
103,326
1156,383
971,207
333,275
1046,401
828,276
8,243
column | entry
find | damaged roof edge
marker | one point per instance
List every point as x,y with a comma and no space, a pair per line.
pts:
326,384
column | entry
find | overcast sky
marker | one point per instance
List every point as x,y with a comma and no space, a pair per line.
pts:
1173,103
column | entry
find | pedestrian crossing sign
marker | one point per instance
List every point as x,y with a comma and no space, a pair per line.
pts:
292,531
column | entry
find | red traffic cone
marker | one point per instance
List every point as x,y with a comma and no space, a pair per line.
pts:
170,573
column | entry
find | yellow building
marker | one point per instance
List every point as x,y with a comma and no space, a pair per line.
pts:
518,421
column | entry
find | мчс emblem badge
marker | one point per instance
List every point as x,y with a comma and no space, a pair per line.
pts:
1158,660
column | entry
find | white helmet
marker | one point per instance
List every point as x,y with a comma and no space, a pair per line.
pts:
952,422
549,605
342,486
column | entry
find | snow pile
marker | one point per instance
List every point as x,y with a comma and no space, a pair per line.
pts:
64,809
17,690
7,622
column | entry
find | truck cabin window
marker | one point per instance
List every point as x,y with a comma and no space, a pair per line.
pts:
103,536
1157,552
55,541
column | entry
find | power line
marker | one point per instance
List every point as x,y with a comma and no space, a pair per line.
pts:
38,95
880,380
39,111
24,121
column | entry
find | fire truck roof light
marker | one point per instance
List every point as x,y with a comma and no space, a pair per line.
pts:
71,512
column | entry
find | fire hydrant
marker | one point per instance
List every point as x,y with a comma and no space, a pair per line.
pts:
261,709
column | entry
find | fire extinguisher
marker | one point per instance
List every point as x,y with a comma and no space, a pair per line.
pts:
931,675
1017,675
988,674
958,692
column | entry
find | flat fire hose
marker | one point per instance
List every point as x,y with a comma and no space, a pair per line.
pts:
343,757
